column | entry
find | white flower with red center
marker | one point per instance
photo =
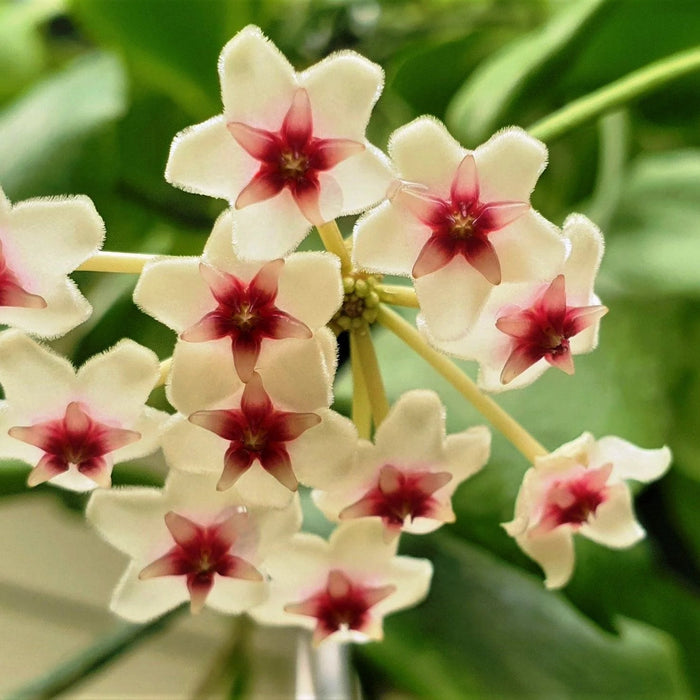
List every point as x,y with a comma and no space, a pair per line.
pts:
342,588
289,149
36,295
580,488
73,427
267,435
459,222
189,542
525,328
407,478
239,310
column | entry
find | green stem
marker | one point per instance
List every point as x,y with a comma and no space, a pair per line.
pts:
372,375
636,84
361,409
500,419
108,261
334,243
92,659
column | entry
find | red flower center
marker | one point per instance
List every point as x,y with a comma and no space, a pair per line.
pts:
200,552
290,158
74,439
399,495
342,604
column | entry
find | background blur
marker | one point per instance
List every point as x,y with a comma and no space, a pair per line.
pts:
91,94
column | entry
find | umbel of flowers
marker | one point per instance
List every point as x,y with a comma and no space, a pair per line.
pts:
252,369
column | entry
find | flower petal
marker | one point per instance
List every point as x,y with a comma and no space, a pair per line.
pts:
614,524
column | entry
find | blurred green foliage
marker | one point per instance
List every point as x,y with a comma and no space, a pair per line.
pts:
91,94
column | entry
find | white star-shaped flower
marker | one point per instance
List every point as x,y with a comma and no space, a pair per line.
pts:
74,426
189,542
41,241
343,587
289,149
459,222
580,488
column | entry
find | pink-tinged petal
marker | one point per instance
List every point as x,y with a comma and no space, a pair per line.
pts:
389,479
167,565
432,481
263,287
580,318
307,195
255,403
290,426
262,187
465,186
209,327
282,325
48,467
563,360
307,607
229,530
329,152
222,285
114,438
297,126
246,350
339,584
497,215
184,531
374,595
519,360
12,294
553,302
76,420
222,422
429,210
98,470
275,461
199,587
518,325
482,256
235,567
237,461
39,435
435,255
259,143
365,507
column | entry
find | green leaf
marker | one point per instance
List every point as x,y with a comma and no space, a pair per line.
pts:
478,107
654,244
488,630
171,45
42,133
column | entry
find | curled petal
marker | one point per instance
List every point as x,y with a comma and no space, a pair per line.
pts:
199,587
12,294
209,327
497,215
563,360
98,470
263,186
429,210
48,467
329,152
482,256
519,360
307,195
246,350
255,403
237,461
580,318
519,325
275,461
434,255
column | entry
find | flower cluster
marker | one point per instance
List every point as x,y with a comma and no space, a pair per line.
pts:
255,357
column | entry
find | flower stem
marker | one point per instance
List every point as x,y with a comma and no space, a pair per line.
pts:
361,409
107,261
333,241
398,295
499,418
165,366
92,659
636,84
367,360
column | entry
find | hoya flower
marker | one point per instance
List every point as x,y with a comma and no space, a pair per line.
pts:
525,328
189,542
243,309
580,488
267,435
459,222
72,427
36,295
407,478
344,587
289,149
